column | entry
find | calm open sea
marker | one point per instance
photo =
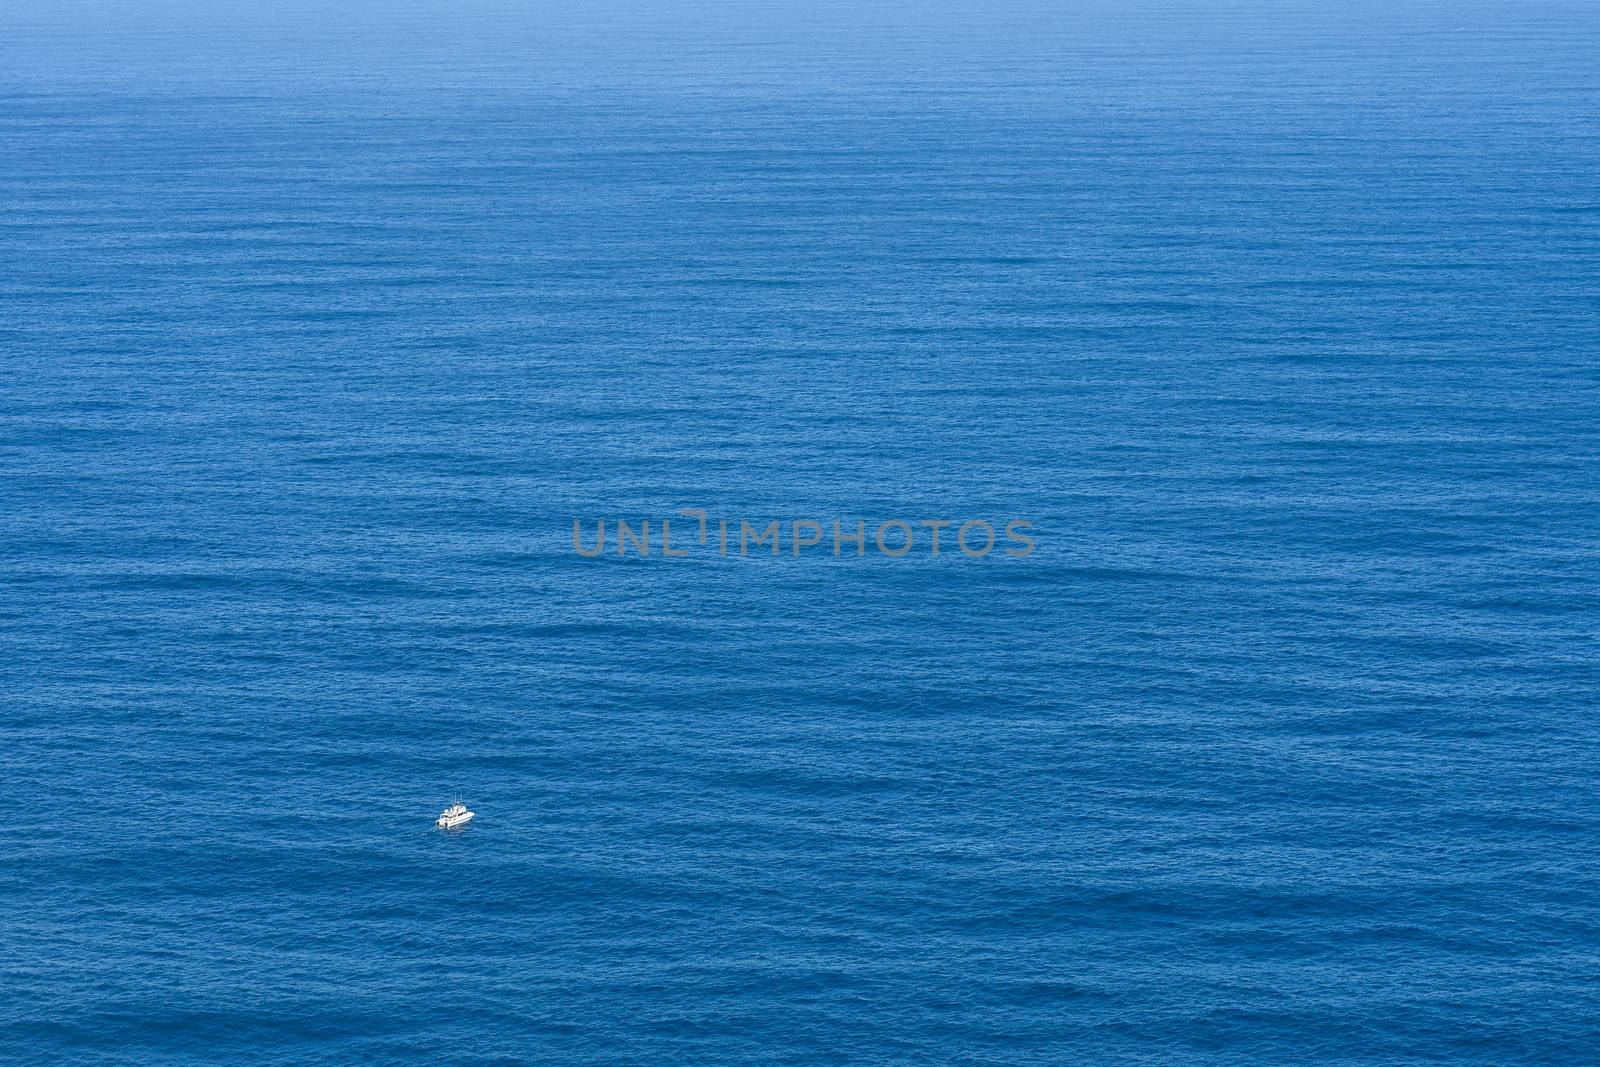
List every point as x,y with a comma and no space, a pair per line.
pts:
323,320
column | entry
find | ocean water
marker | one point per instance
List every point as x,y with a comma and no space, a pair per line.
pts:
320,324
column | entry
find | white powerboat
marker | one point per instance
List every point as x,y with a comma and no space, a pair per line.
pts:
453,816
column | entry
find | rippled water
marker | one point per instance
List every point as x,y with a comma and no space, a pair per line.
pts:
322,322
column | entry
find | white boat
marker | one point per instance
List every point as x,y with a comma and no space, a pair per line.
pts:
453,816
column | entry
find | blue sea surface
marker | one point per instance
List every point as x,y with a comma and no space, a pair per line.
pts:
321,322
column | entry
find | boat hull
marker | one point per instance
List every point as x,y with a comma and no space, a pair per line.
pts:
453,822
